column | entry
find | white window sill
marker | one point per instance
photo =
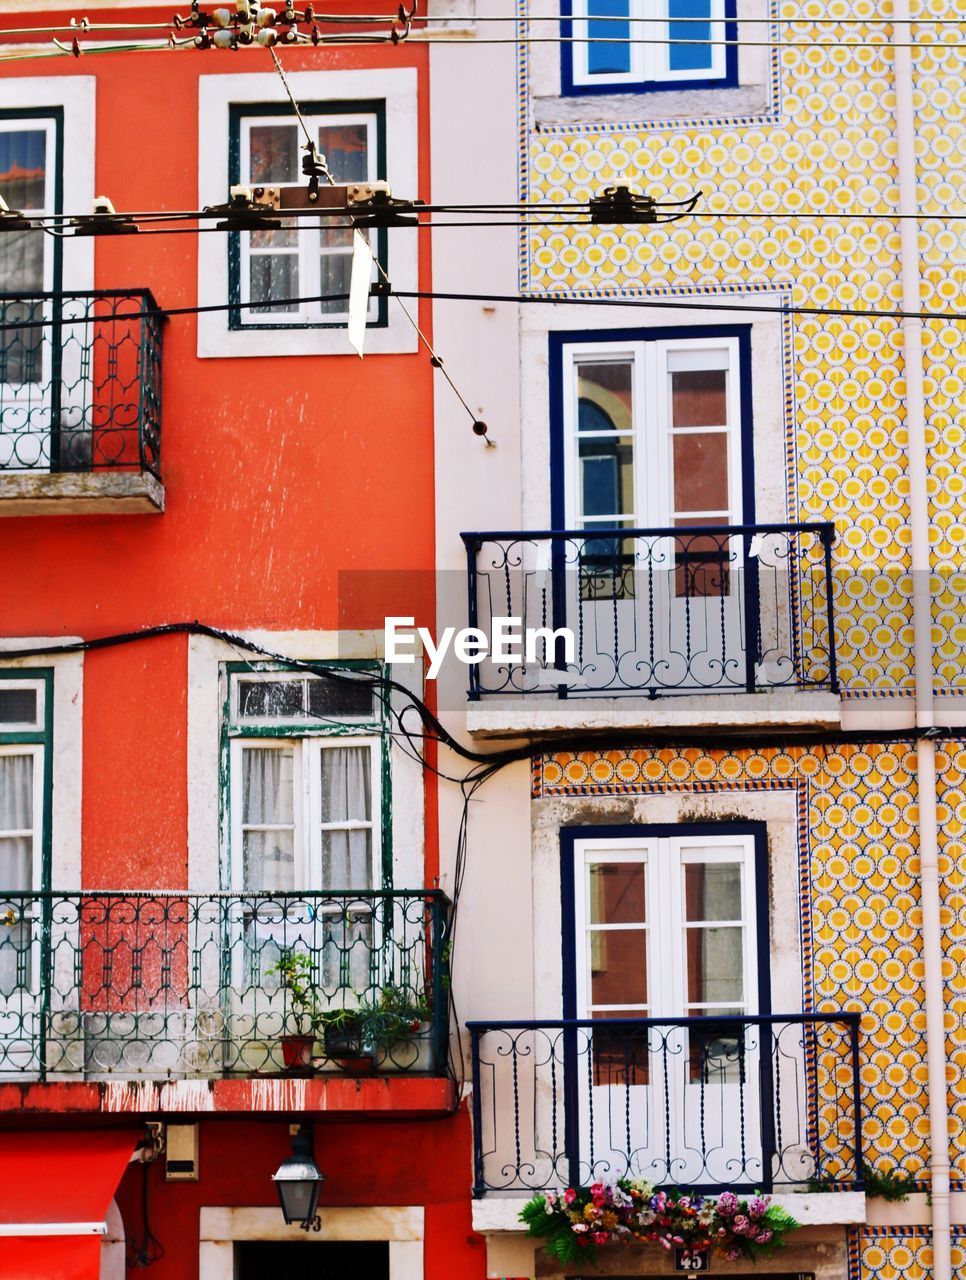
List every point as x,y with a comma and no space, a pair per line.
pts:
216,93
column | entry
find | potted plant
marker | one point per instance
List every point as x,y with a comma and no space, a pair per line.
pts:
397,1017
295,973
373,1026
344,1034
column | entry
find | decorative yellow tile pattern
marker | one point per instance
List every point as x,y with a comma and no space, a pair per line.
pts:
827,154
898,1253
861,920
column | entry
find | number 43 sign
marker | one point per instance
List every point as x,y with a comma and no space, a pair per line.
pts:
693,1261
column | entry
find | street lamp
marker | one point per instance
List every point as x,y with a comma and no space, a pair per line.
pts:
298,1181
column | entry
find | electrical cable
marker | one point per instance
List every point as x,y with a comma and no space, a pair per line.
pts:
425,36
526,211
542,299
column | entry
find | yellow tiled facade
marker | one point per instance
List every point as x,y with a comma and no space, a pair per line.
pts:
812,180
861,924
808,186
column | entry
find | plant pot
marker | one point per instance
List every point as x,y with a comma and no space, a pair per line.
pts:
345,1040
297,1052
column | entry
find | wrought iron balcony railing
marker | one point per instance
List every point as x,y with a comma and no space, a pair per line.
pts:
697,609
171,985
80,382
706,1103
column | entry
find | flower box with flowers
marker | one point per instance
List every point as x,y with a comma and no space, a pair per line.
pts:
629,1211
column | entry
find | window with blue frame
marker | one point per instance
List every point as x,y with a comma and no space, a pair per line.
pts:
613,46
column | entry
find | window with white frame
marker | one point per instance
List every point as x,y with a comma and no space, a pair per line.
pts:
667,927
653,432
628,45
306,767
24,733
306,792
28,185
284,276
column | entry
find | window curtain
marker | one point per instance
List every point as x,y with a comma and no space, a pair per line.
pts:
346,798
268,800
16,867
349,963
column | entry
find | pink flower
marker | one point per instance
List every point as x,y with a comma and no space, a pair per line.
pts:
733,1255
570,1195
599,1237
727,1204
758,1207
763,1237
742,1225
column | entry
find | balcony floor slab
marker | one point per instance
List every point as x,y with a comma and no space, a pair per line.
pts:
526,716
79,493
372,1097
496,1215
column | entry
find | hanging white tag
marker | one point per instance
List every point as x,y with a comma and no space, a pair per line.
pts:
359,286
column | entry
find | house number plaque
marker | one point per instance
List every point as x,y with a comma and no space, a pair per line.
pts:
694,1261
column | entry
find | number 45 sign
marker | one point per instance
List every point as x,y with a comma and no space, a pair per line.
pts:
694,1261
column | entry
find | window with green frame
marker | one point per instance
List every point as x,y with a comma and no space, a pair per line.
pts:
26,733
282,278
306,766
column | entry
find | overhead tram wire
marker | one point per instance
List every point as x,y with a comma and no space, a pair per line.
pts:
596,299
83,27
11,51
550,211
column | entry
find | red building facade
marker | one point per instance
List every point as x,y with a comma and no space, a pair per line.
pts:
196,820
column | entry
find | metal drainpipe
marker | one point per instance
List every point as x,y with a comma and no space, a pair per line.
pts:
938,1102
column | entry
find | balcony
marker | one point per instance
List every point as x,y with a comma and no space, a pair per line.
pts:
707,625
80,403
339,993
710,1104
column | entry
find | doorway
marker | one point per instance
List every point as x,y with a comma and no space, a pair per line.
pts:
312,1260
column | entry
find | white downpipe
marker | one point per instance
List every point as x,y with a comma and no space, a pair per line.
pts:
938,1101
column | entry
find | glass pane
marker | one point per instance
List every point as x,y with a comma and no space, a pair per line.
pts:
715,965
286,238
346,784
723,1053
699,398
616,892
16,806
277,698
21,271
621,1055
274,276
23,168
690,57
700,471
712,891
268,861
702,563
346,149
618,966
604,396
336,273
274,154
607,58
606,477
340,698
18,706
268,791
16,865
347,859
336,233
